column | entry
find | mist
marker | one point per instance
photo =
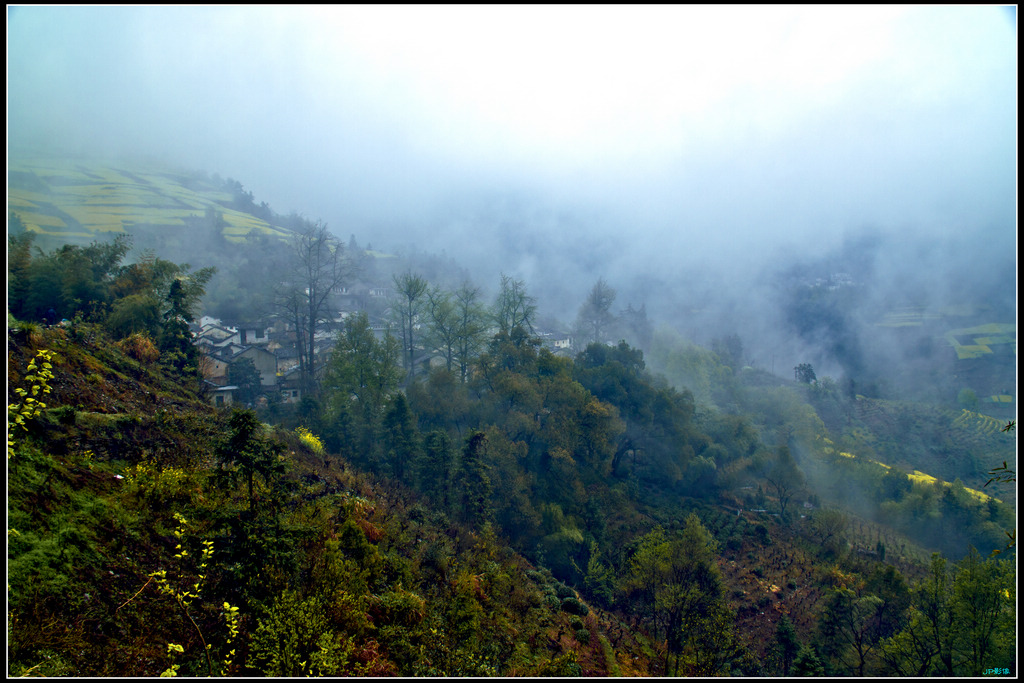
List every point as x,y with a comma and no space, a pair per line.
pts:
692,157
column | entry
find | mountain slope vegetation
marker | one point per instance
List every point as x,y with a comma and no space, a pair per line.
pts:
516,510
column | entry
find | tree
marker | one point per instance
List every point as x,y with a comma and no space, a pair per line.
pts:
474,485
175,341
957,625
729,351
827,526
243,374
889,586
470,327
359,377
513,306
636,327
409,292
983,611
19,261
804,373
787,644
595,317
247,449
444,321
318,267
785,477
400,438
677,580
437,467
807,663
848,629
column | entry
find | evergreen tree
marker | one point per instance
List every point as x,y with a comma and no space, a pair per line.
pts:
401,440
807,663
787,644
474,486
436,467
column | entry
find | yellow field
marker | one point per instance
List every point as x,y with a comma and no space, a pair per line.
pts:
917,476
984,337
103,199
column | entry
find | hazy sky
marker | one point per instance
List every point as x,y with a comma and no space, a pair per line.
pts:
693,130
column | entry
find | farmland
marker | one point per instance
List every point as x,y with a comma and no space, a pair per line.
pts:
77,201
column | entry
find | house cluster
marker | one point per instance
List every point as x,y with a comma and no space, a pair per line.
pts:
271,348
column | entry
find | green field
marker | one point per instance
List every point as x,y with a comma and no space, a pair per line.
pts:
976,342
79,200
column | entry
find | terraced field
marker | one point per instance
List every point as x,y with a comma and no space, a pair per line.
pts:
78,201
976,342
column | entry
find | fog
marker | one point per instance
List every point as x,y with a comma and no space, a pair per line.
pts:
689,156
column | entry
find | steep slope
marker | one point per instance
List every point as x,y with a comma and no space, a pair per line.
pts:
134,541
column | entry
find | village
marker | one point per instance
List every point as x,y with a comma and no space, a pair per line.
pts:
271,343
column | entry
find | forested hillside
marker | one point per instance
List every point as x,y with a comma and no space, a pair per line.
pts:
150,533
457,491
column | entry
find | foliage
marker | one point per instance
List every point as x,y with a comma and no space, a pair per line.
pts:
39,373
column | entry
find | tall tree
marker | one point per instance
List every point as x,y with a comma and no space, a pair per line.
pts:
443,317
410,290
437,467
984,612
176,338
360,376
595,318
319,266
19,261
787,644
678,581
400,439
470,327
474,483
513,306
248,452
243,374
785,477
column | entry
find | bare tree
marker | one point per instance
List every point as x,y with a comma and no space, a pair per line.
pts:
319,266
444,319
595,317
409,291
514,307
471,326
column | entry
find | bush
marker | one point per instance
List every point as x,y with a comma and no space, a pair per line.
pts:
583,636
761,534
574,606
140,347
563,591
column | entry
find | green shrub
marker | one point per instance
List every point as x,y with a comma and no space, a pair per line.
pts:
563,591
574,606
583,636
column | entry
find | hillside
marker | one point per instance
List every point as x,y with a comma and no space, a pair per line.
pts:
135,539
569,511
77,201
95,491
